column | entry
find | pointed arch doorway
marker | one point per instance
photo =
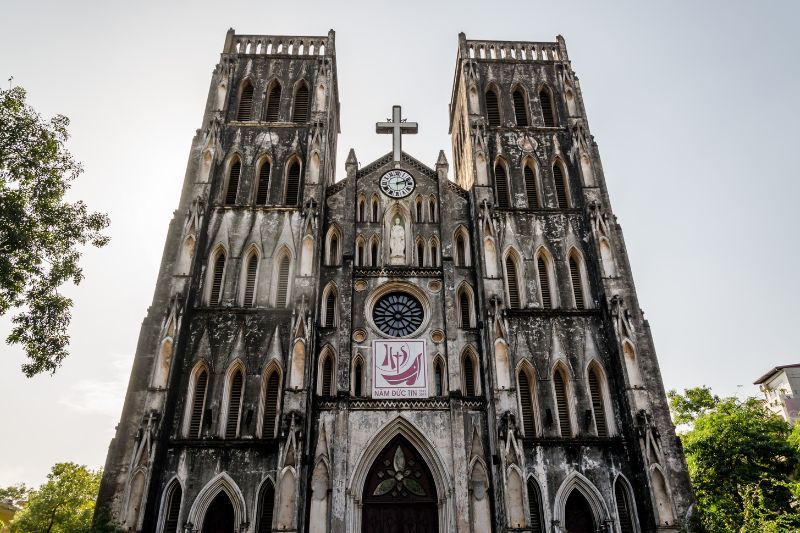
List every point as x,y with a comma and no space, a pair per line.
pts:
399,493
220,515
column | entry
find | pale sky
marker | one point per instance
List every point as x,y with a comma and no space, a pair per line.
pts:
694,106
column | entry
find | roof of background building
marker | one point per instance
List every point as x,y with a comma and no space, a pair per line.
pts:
772,372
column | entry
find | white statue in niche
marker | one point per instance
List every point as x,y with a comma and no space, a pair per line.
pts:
397,243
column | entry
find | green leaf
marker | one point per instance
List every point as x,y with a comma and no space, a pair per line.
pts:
384,487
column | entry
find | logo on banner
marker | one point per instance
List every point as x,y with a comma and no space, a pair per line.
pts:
400,369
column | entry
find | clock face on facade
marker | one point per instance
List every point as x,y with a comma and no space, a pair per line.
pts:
397,183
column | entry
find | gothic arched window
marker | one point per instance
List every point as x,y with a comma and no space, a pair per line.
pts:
461,249
360,213
266,505
418,209
300,110
282,289
199,385
530,186
501,185
292,192
562,194
624,508
512,283
358,378
596,381
236,383
245,109
374,253
233,182
217,278
546,101
464,308
470,374
329,318
173,507
577,282
438,378
434,252
542,266
273,103
520,109
326,377
526,396
375,208
420,252
333,247
560,387
432,209
360,251
271,393
534,507
262,191
492,108
250,279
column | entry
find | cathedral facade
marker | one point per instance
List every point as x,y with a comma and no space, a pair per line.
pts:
397,350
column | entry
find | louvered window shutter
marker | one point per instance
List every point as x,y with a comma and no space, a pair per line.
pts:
597,404
547,108
233,183
530,187
544,283
198,404
492,109
234,406
330,310
300,113
334,250
438,378
245,110
420,254
520,113
623,508
271,405
501,186
263,184
463,304
358,379
266,506
173,509
461,251
327,377
216,281
273,103
561,187
577,287
562,404
283,283
469,376
513,283
534,507
250,284
292,184
526,401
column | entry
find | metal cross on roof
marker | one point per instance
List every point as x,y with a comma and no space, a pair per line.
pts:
396,127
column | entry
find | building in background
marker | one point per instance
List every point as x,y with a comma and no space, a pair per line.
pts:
394,350
781,388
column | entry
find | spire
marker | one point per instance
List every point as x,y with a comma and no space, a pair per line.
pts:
442,166
351,165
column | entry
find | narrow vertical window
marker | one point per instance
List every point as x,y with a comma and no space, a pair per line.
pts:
624,507
333,258
250,282
330,309
598,407
283,282
360,254
438,378
534,507
492,108
501,186
233,183
173,508
374,209
530,187
374,253
526,405
577,286
432,209
216,280
292,184
561,187
198,404
418,209
300,111
547,108
234,406
434,253
461,251
327,376
520,112
464,308
245,109
512,281
271,405
544,283
358,379
266,505
469,376
420,253
273,103
360,215
562,404
262,192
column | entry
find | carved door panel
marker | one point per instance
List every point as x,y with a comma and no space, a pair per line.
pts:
399,495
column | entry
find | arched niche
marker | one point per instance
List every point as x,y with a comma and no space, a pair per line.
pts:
163,364
307,257
312,176
297,377
490,253
514,499
502,364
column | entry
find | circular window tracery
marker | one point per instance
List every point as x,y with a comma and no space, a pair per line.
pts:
398,314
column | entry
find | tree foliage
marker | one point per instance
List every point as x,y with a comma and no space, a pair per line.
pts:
741,461
64,503
41,233
15,494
